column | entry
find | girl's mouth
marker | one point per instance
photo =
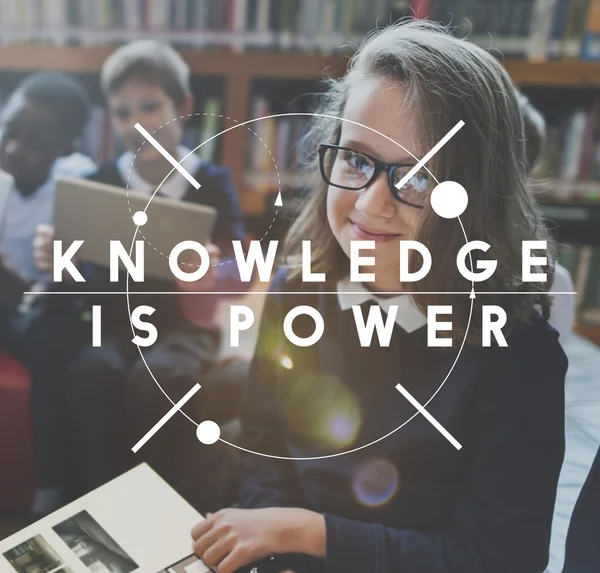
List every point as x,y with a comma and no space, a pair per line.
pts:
370,234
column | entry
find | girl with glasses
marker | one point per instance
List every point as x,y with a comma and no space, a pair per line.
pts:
350,476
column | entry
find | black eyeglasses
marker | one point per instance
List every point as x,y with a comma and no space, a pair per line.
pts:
347,168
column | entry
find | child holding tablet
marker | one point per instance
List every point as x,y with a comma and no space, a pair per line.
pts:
110,398
348,472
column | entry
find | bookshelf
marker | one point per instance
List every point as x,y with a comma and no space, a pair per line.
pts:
570,73
239,69
239,72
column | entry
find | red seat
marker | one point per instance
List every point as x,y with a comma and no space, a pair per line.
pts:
16,454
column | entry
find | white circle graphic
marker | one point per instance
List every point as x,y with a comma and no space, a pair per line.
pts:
208,432
449,199
140,218
345,452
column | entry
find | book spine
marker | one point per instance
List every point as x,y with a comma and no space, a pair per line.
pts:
582,274
421,9
573,146
587,155
541,28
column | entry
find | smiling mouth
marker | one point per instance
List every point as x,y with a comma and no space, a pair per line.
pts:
366,233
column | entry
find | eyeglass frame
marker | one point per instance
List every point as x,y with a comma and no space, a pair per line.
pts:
380,167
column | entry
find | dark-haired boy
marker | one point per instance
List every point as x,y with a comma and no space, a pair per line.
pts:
40,123
42,119
112,399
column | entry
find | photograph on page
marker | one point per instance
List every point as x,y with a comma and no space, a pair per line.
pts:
93,545
36,555
191,564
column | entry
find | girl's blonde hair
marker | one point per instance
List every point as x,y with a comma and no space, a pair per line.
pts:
445,80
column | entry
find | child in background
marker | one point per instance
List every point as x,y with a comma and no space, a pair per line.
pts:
41,122
562,315
411,501
111,398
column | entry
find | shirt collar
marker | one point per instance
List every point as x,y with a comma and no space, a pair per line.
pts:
175,187
408,317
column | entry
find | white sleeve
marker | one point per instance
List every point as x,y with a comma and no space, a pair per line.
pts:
562,314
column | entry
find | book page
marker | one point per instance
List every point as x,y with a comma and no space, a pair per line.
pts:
136,522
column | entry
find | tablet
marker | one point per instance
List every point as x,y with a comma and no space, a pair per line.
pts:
97,213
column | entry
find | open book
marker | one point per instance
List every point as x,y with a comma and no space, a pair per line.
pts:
136,522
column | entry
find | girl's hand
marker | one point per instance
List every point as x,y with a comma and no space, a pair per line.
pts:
233,538
208,281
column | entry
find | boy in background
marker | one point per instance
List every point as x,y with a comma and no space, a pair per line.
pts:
41,122
112,400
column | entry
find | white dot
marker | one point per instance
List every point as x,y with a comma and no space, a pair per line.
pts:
140,218
208,432
449,199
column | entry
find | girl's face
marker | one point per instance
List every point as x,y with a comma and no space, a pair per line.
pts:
373,214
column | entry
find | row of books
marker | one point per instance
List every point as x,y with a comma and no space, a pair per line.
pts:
99,143
572,154
534,28
305,24
277,147
583,262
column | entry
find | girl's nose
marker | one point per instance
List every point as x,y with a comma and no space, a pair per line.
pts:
377,200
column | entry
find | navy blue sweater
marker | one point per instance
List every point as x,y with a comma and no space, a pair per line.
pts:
411,502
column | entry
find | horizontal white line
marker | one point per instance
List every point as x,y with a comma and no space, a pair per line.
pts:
428,416
242,293
166,418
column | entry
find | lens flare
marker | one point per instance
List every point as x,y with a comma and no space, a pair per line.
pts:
375,482
323,410
286,362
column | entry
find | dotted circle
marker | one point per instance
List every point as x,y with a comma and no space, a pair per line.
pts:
170,172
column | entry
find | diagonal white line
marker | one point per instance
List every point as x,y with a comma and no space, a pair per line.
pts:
166,418
430,154
167,155
428,416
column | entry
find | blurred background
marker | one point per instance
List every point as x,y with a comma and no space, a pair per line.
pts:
252,58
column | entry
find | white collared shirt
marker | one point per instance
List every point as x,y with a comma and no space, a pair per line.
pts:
175,187
408,317
24,213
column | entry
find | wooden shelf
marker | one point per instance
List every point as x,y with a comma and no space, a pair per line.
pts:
82,59
240,68
563,73
29,57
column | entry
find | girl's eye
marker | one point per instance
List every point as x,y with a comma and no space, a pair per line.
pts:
419,182
357,161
